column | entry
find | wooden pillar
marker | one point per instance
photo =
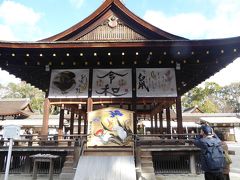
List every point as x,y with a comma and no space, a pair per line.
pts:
134,99
34,176
79,123
134,109
151,119
129,107
2,160
168,119
186,129
60,128
160,123
51,165
89,105
27,165
85,124
72,123
44,130
89,109
192,163
135,122
179,115
156,125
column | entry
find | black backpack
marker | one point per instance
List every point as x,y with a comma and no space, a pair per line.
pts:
214,155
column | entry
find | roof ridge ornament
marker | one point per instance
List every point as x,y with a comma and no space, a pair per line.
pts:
111,29
112,21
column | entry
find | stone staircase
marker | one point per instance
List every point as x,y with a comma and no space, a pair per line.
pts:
105,167
147,169
68,169
126,151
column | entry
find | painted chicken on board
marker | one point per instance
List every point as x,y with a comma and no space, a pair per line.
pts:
113,131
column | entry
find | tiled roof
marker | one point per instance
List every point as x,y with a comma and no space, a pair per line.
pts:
194,109
10,107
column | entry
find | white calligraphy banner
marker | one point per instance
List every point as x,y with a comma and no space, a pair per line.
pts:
69,83
156,82
112,83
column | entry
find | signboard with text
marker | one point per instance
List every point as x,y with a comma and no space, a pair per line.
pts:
112,83
156,82
69,83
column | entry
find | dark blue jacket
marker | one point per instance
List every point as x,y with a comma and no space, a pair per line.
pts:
202,144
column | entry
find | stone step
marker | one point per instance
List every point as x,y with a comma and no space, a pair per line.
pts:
147,164
147,170
106,168
107,153
144,159
68,170
146,153
148,176
69,158
110,149
66,176
68,164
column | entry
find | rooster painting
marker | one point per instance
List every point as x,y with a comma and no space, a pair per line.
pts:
114,127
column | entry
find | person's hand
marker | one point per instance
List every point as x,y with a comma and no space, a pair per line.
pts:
213,132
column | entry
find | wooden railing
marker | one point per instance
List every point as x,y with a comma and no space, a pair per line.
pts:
28,145
51,140
21,163
171,153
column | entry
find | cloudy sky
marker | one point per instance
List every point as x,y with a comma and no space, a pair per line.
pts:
30,20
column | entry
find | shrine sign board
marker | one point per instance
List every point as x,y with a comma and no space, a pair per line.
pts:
156,82
69,83
11,131
112,83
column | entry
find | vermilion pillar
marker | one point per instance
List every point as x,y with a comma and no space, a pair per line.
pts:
89,109
179,115
44,130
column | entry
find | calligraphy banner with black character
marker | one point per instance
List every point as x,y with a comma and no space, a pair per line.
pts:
69,83
112,83
156,82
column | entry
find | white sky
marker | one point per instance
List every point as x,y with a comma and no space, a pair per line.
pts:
20,21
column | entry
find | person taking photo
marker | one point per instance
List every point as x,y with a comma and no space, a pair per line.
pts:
212,154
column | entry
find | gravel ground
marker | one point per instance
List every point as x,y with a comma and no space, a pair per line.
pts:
233,176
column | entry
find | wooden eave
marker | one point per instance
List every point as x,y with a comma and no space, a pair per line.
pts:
198,59
122,44
144,106
116,7
213,55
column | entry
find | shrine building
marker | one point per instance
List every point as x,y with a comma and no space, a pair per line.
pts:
112,70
